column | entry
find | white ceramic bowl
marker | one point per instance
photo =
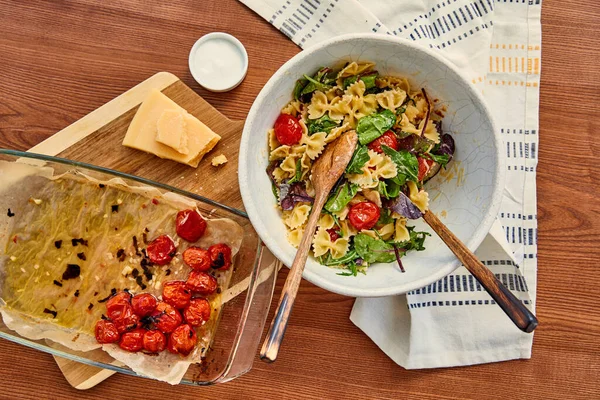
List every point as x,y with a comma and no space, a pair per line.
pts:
468,207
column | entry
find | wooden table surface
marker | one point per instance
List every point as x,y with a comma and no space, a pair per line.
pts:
59,60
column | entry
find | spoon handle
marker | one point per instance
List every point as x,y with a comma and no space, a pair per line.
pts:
272,342
513,307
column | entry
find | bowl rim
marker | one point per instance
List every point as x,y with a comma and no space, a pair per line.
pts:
254,214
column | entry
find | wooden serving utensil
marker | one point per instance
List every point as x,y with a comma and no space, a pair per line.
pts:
326,171
513,307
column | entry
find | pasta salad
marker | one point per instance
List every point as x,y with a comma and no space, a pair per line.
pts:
401,146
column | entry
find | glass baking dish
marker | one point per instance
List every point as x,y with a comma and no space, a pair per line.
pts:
245,303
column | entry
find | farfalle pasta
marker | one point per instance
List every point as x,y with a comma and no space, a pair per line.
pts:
401,146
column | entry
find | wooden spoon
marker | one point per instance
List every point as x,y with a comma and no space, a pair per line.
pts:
326,171
513,307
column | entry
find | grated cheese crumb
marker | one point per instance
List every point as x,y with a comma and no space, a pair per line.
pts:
97,278
105,216
36,266
126,270
157,285
37,201
13,258
23,270
218,160
119,201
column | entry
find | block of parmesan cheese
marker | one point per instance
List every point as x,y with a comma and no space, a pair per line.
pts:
143,130
171,130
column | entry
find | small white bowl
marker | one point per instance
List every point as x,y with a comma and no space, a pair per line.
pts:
467,206
218,61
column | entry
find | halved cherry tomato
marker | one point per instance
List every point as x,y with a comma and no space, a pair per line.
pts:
154,341
106,332
166,317
143,304
133,340
220,256
197,258
287,130
190,225
182,340
161,250
176,294
202,283
389,139
117,305
198,312
364,215
424,166
333,234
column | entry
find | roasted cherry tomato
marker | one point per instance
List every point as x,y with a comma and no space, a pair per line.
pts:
161,250
202,283
389,139
288,130
424,167
154,341
198,312
117,305
190,225
176,294
220,256
127,321
197,258
133,340
182,340
143,304
106,332
364,215
333,234
166,317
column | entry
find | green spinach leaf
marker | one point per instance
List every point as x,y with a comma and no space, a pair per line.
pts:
441,159
388,189
372,126
406,164
385,217
338,200
358,160
373,250
369,80
349,81
323,124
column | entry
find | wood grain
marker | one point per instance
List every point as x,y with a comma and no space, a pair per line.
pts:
513,307
60,60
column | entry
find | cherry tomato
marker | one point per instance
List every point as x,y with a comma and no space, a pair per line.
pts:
190,225
143,304
166,318
127,321
333,234
197,258
161,250
364,215
106,332
220,256
154,341
182,340
176,294
117,305
133,340
389,139
288,130
202,283
424,166
198,312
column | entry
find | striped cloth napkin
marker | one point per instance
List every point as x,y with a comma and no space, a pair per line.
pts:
497,45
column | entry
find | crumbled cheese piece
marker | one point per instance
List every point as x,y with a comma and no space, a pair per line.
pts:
13,258
105,216
109,256
59,259
218,160
37,201
126,270
97,278
37,279
36,266
23,270
157,285
47,273
119,201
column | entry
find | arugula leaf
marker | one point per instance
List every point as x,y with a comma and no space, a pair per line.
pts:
298,175
441,159
299,87
323,124
341,197
372,126
349,81
352,270
416,241
373,250
274,190
328,260
317,82
388,189
406,163
358,160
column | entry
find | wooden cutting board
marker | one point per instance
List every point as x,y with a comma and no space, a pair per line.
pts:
96,139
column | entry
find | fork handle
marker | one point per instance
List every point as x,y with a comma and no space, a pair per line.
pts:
513,307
